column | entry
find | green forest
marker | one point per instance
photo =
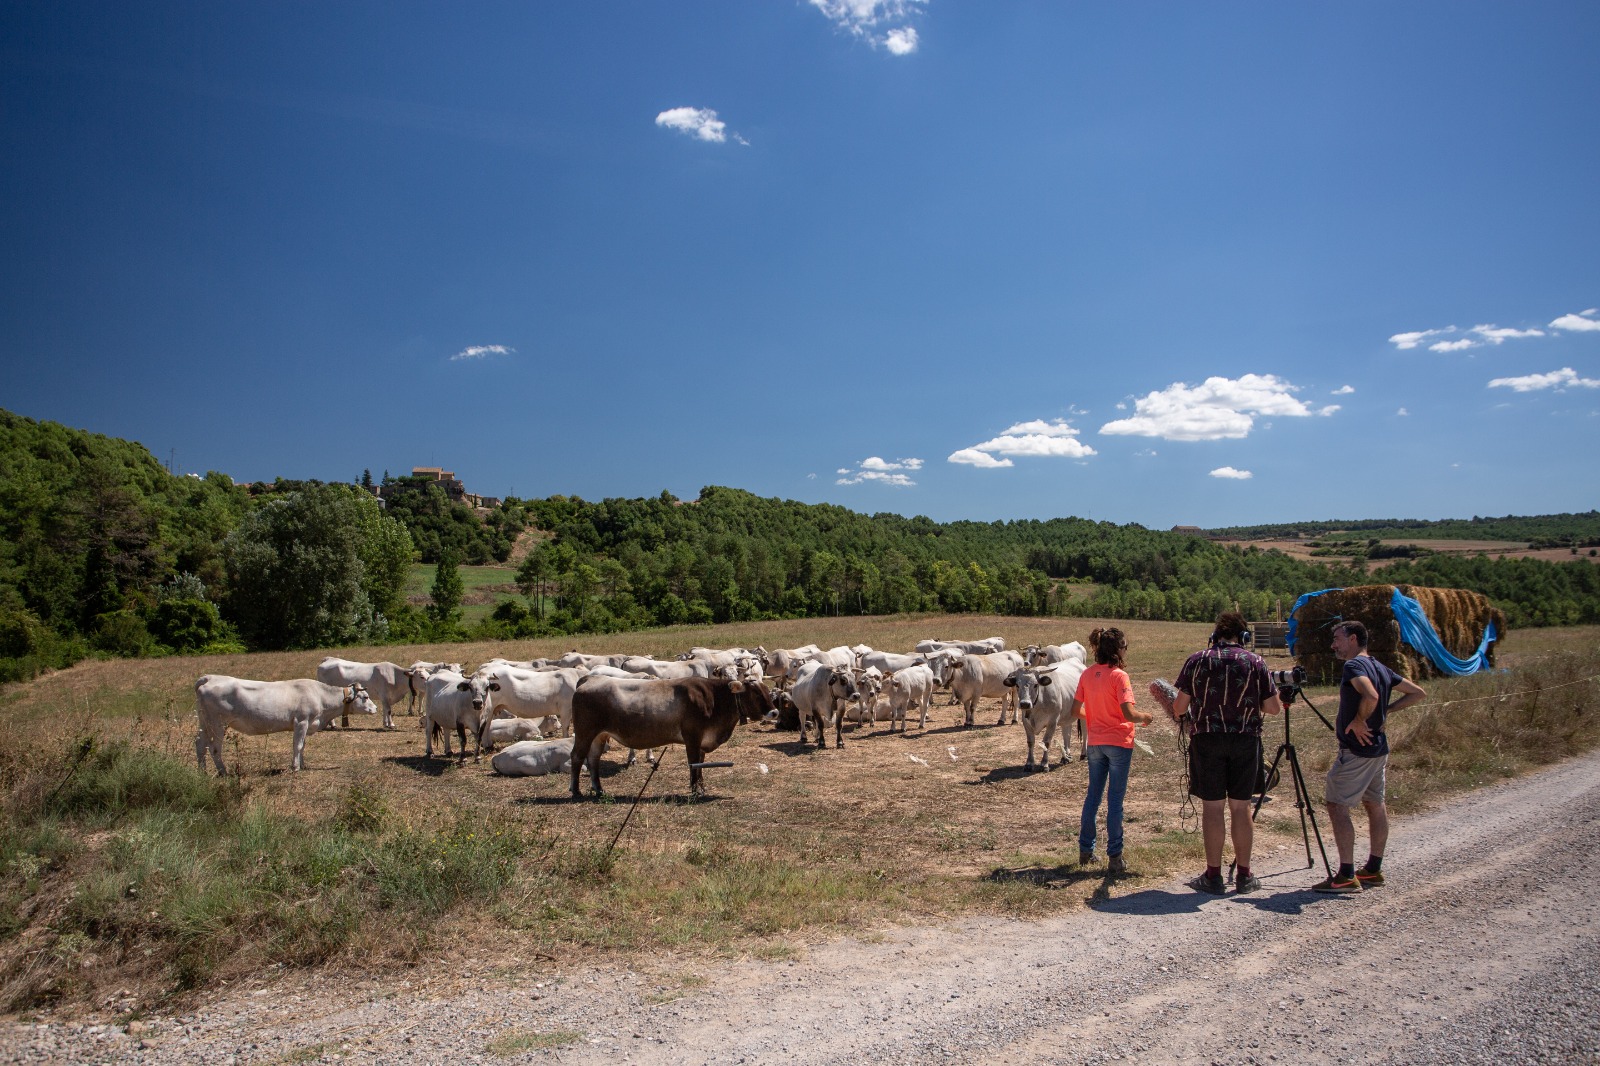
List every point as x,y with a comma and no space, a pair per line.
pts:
103,551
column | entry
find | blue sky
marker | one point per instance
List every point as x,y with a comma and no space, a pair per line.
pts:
1161,263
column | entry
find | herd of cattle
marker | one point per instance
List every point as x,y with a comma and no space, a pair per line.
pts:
645,703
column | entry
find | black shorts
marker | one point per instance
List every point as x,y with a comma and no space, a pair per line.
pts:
1224,765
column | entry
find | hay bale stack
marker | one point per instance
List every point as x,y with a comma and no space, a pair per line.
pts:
1458,616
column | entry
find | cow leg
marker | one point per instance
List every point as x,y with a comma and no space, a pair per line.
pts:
972,710
388,713
697,785
297,758
822,729
838,726
1027,730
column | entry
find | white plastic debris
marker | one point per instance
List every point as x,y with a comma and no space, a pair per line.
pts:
919,762
952,750
763,767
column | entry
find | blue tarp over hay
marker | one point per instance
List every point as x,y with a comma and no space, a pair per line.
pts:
1420,632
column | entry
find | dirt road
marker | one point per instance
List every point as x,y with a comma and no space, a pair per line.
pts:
1483,947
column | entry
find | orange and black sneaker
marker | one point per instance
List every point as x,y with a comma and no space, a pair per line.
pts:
1338,886
1370,878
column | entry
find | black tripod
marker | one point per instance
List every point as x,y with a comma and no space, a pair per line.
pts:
1302,797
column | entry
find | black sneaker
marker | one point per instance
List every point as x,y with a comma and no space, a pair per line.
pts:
1243,883
1212,884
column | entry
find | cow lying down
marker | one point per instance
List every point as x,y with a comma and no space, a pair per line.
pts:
533,758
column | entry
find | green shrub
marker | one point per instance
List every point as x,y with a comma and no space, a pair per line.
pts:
104,782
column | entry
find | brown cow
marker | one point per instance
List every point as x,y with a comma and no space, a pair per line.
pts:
697,712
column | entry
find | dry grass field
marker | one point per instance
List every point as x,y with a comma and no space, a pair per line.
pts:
793,843
1499,549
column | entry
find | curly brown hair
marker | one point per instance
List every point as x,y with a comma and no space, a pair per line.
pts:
1109,646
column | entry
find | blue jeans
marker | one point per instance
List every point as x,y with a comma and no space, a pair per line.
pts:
1106,761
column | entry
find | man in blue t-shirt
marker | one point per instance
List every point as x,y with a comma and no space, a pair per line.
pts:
1358,773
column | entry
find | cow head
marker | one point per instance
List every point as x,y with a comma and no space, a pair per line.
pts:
944,666
480,687
843,686
1027,683
356,698
752,700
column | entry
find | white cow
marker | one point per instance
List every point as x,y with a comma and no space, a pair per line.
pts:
889,661
387,683
534,758
457,703
1044,696
421,671
578,660
1049,654
910,687
779,663
501,731
869,683
532,693
673,671
256,708
821,693
971,647
977,676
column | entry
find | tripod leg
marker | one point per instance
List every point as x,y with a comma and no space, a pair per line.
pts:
1303,801
1274,769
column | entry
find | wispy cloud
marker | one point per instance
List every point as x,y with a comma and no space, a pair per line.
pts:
701,123
1476,337
1056,438
1582,322
873,468
1217,409
1232,474
481,351
1403,413
1343,390
879,22
1564,378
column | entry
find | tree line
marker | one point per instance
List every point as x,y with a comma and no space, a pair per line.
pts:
104,551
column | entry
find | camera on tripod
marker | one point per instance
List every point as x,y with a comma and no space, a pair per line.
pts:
1288,682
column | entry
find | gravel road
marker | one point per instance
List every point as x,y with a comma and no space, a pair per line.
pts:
1483,948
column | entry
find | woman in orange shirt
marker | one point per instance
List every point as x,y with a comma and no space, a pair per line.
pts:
1104,700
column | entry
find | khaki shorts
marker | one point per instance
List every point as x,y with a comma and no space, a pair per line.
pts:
1353,779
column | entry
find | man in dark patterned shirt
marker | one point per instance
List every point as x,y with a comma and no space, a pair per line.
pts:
1224,690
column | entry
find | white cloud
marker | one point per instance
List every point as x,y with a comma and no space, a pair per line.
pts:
479,351
981,460
1328,409
1056,439
902,41
873,468
1217,409
1496,335
863,18
1406,341
1231,473
1582,322
1476,337
872,462
1566,377
701,123
1402,412
1343,390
